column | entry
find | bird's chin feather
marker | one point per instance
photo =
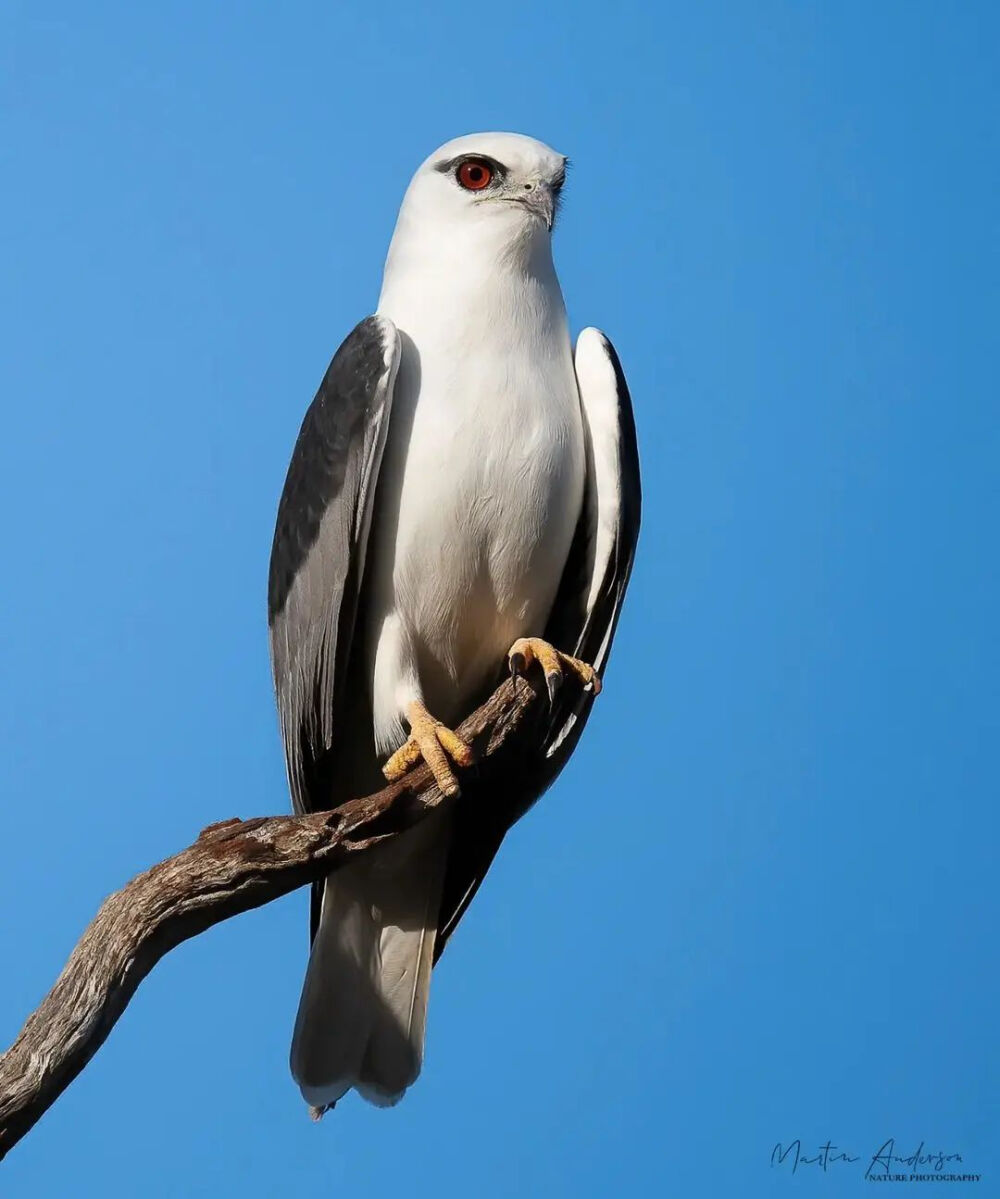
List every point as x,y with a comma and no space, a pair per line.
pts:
538,205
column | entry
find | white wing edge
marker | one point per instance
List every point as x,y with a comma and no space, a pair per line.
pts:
595,376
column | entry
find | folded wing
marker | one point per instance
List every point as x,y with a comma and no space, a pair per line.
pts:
320,544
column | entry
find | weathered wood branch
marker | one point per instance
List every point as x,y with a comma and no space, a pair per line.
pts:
233,866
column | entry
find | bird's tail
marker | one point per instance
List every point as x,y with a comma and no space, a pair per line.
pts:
364,1001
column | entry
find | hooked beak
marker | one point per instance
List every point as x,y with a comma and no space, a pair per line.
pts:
540,201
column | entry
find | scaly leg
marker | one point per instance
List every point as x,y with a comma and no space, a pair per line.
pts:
553,662
435,743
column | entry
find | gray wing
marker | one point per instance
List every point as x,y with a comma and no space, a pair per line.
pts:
320,541
582,622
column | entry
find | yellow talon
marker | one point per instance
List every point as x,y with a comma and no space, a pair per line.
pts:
435,743
553,662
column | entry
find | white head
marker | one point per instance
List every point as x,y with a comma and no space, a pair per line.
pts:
486,195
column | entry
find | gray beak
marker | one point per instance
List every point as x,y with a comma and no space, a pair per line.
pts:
541,202
538,197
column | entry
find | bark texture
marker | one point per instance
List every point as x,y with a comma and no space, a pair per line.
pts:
233,866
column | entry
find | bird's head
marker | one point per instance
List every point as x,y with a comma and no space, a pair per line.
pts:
495,189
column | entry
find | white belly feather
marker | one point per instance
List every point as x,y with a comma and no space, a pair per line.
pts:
483,482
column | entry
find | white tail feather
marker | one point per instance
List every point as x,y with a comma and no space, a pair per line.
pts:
363,1010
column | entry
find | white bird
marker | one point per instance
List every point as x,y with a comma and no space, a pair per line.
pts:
463,495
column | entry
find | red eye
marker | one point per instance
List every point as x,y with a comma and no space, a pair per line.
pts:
474,176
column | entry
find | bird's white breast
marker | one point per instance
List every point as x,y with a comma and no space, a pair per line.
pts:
480,490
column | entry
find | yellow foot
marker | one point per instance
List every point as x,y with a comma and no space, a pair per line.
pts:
553,662
435,743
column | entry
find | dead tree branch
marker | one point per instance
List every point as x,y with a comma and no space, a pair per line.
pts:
233,866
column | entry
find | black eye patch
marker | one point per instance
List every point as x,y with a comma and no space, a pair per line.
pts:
450,166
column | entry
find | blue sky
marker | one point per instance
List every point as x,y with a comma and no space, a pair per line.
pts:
761,902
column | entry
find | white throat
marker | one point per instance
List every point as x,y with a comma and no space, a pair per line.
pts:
484,275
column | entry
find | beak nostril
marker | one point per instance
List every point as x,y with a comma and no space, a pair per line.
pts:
529,187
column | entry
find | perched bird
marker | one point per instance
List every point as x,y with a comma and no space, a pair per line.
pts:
463,498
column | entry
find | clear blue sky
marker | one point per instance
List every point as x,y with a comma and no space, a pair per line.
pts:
761,903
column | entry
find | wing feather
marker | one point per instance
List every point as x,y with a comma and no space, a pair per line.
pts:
320,542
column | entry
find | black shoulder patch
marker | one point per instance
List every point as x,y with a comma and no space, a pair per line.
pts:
319,461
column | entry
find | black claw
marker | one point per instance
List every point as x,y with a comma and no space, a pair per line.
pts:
517,666
553,681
